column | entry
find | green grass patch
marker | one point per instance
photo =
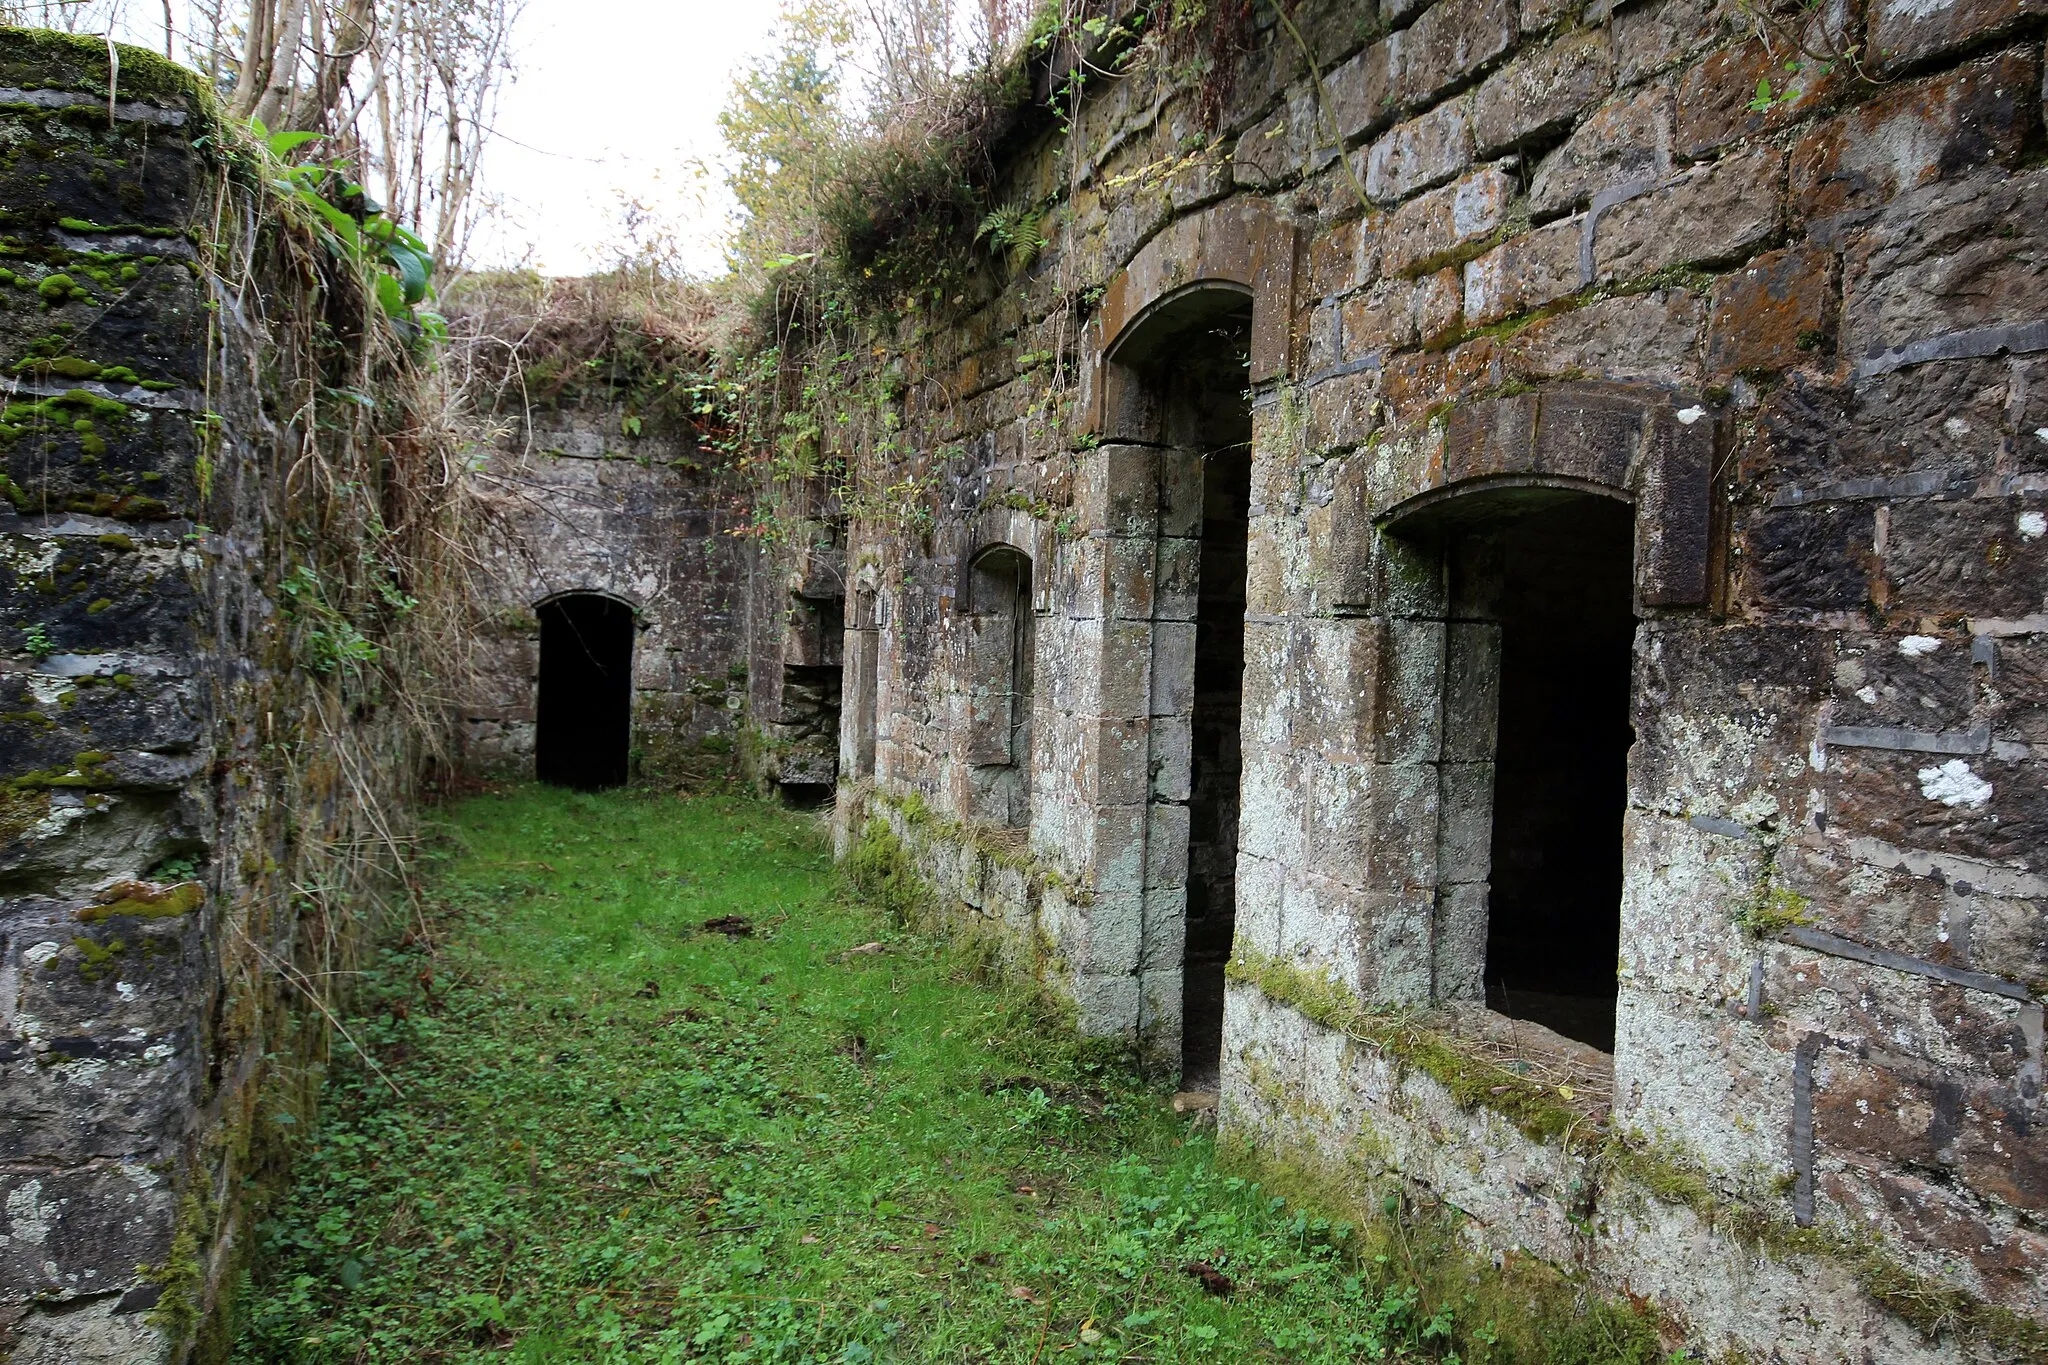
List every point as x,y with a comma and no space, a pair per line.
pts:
596,1130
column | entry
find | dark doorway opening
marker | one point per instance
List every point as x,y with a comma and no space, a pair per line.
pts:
1216,750
585,721
1567,628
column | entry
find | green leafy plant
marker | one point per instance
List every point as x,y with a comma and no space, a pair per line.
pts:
36,640
1017,230
402,264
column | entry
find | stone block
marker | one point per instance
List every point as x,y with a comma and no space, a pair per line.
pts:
1651,338
1363,92
1773,314
1126,669
1914,134
1464,851
1379,320
1947,559
1166,928
1723,715
1273,806
1906,33
1118,490
1626,142
1128,577
1106,1006
1166,846
1410,703
1173,668
1450,44
1542,92
1178,589
1525,272
1116,861
1459,932
1446,221
1170,764
1717,94
1403,828
1340,688
1342,411
1648,38
1340,820
1116,766
1421,153
1471,690
1275,150
1718,213
1180,492
1260,891
1439,306
1344,259
1948,271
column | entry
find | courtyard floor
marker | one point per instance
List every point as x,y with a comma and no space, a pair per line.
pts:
645,1081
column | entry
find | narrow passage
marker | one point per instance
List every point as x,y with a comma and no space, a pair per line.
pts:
651,1085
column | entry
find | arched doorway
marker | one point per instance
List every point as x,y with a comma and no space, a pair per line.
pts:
1539,582
1181,374
585,715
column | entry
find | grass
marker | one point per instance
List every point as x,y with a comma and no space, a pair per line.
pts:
596,1131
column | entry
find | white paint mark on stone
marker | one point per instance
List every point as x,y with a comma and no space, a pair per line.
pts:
1867,695
35,955
1687,416
2033,525
2041,434
29,1220
1956,426
1918,646
125,989
1954,783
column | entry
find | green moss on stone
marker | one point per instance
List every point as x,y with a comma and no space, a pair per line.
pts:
143,900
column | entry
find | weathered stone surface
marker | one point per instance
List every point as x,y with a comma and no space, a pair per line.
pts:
1627,142
1421,153
1525,272
1650,37
1947,261
1717,96
1363,93
1914,134
1449,45
1717,213
1905,33
1542,92
1445,221
1775,313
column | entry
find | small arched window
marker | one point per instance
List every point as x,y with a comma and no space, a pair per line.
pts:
999,666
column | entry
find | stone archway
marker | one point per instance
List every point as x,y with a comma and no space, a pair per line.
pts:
1201,313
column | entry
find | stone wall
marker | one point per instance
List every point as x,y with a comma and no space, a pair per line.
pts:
580,504
192,734
1474,265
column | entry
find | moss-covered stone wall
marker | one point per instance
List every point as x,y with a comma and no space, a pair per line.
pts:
1794,320
199,805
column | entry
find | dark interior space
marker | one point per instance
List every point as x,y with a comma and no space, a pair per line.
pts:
1200,378
1216,770
585,728
1567,620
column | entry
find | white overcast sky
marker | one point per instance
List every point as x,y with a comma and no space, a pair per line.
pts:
612,99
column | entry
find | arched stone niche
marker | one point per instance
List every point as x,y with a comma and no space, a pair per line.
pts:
1623,467
1650,448
1196,268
